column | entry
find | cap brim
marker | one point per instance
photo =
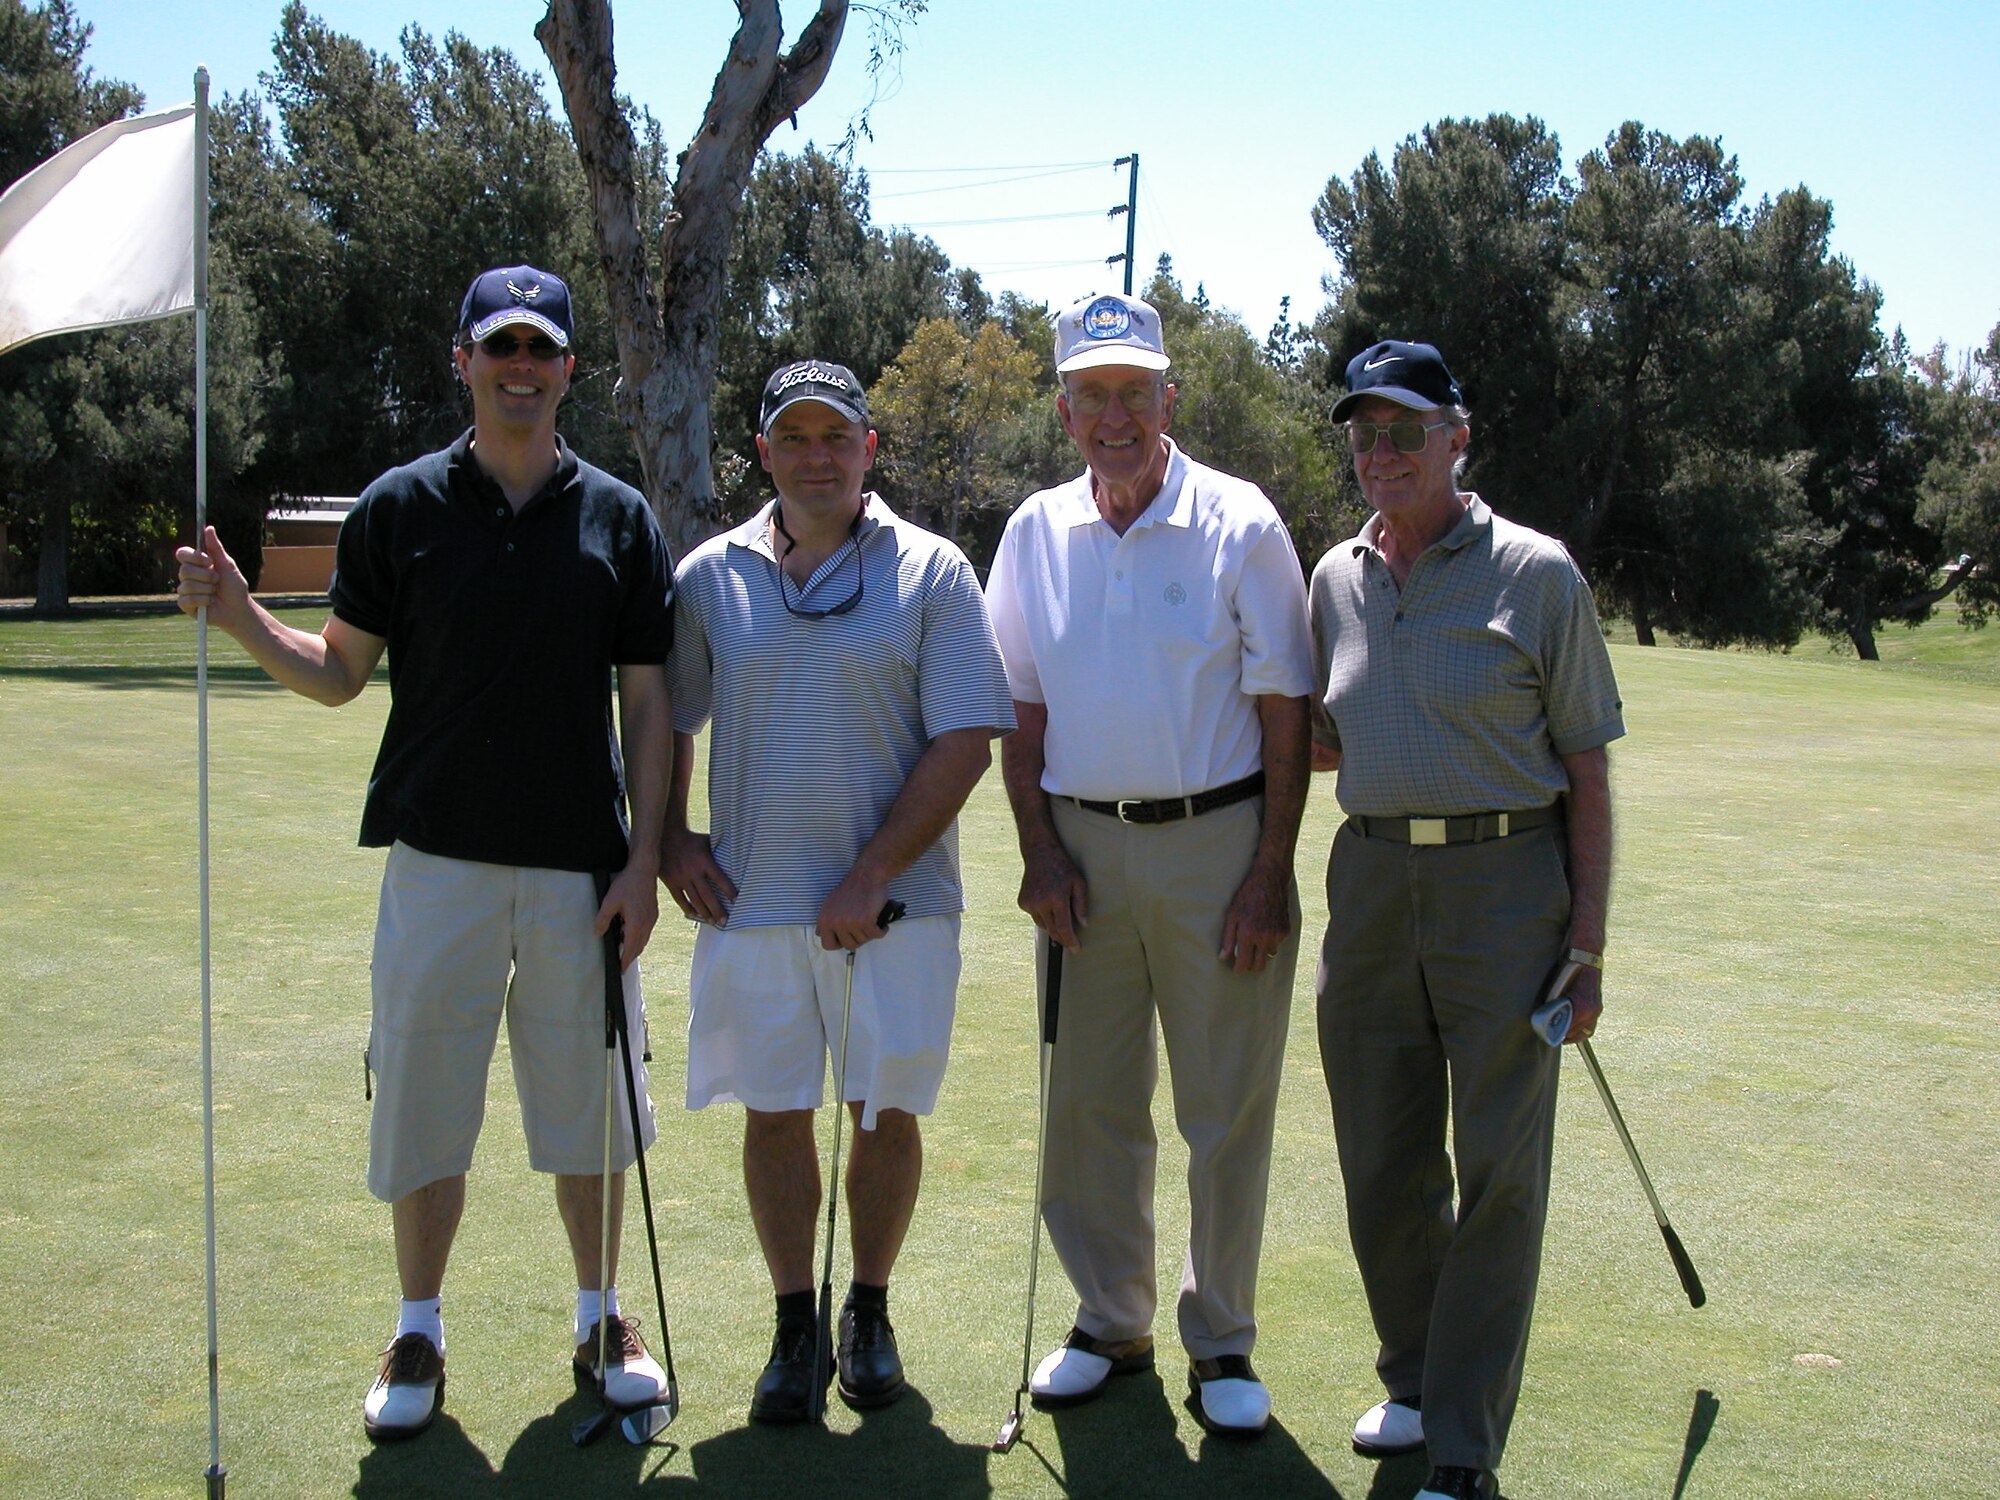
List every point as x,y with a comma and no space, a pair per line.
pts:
1114,354
493,322
846,412
1395,393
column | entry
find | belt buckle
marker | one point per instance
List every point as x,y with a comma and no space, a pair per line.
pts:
1125,802
1427,831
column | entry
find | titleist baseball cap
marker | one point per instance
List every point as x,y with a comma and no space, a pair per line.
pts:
516,294
1412,375
812,380
1109,330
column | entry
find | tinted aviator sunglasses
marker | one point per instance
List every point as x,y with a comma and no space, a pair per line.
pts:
505,345
1406,434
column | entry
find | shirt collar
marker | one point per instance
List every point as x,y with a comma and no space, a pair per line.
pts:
461,463
755,533
1172,506
1478,517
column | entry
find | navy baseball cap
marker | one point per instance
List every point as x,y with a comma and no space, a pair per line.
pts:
516,294
812,380
1412,375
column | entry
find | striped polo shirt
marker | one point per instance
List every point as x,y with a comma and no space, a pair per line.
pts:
1461,691
816,723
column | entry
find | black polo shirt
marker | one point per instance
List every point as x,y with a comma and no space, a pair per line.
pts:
503,628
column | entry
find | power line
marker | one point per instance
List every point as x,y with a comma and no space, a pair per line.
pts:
966,187
1032,166
1081,213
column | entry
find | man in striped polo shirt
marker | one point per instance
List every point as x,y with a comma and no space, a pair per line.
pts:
1466,699
844,659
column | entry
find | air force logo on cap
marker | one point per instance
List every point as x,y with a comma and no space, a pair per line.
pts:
1109,330
508,295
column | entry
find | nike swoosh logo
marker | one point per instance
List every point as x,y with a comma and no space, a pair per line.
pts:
1387,359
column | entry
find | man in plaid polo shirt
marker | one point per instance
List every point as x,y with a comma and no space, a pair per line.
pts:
1466,698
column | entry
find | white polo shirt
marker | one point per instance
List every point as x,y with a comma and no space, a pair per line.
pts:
1150,649
818,722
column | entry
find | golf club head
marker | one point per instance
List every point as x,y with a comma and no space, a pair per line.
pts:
1010,1432
593,1427
648,1422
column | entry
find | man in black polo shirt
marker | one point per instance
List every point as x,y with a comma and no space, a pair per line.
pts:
505,578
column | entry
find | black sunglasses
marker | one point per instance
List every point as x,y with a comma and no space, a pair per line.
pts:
860,581
506,345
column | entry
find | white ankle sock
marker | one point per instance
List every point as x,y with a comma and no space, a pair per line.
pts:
425,1316
589,1304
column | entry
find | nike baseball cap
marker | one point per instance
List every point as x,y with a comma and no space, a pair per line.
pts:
1412,375
1109,330
515,294
812,380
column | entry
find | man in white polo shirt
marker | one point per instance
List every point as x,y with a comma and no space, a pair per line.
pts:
1152,615
844,658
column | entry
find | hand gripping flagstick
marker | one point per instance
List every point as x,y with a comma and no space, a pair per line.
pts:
823,1326
1551,1023
1010,1430
647,1422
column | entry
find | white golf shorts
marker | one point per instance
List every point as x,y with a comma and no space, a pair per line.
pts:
766,1007
456,944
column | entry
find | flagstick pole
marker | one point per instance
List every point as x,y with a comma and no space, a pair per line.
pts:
215,1474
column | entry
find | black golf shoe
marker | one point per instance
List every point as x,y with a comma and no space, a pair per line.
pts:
1450,1482
784,1391
871,1372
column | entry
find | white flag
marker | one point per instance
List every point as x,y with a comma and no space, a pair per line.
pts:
102,232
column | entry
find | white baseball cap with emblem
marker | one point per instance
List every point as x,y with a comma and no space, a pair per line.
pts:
1109,330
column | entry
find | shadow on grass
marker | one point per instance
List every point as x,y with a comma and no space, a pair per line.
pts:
234,676
1701,1422
1127,1443
895,1454
1399,1478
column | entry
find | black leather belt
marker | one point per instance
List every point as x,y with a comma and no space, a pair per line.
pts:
1473,828
1173,809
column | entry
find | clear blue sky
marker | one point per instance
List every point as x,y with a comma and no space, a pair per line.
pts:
1889,112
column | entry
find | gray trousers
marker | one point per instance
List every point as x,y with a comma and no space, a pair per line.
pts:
1433,960
1157,898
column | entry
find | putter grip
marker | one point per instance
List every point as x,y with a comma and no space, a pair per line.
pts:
1052,993
892,911
1690,1282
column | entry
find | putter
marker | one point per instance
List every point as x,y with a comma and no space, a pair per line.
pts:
1010,1430
823,1324
643,1425
1551,1023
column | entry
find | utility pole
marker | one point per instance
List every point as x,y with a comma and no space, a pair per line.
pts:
1129,208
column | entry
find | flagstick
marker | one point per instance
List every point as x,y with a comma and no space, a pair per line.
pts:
214,1473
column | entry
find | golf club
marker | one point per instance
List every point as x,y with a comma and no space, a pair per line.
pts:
1690,1282
643,1425
1551,1022
823,1325
592,1428
1010,1430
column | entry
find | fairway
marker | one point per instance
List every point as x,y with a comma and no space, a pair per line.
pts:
1800,1030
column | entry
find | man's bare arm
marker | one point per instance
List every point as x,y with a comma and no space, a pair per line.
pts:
1259,918
1052,888
1589,877
646,727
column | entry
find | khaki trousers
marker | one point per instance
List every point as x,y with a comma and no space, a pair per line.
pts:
1433,961
1157,897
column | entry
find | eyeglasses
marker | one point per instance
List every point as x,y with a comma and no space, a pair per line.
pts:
1406,434
860,580
1092,400
506,345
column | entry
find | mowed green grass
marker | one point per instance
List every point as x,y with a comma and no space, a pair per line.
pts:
1802,1037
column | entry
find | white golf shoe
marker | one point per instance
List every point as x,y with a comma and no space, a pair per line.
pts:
1389,1428
635,1380
408,1389
1076,1372
1228,1398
